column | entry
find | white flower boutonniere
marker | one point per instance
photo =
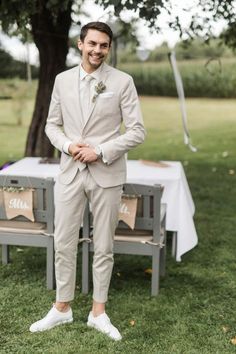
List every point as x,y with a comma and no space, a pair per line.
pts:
99,88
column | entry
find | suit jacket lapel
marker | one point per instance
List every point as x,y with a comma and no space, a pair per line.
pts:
76,95
102,77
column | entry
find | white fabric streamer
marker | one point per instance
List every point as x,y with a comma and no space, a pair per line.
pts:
180,91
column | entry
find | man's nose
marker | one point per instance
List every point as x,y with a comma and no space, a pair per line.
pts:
97,49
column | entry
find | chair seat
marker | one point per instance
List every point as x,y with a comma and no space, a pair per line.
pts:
128,238
23,227
129,235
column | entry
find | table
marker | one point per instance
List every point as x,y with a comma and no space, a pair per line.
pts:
177,195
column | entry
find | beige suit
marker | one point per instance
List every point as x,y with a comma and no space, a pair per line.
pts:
100,182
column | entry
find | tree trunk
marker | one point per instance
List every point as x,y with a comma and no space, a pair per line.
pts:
50,32
113,60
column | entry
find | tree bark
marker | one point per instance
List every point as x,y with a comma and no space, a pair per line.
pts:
113,60
50,32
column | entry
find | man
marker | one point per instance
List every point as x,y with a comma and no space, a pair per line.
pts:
88,105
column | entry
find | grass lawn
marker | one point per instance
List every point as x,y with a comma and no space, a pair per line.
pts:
194,312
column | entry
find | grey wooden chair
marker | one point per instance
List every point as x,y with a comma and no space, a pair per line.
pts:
148,237
23,232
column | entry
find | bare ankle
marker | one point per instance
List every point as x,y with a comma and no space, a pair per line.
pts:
98,308
62,306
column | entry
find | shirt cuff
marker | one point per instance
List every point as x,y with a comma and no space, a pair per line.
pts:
103,157
99,152
65,147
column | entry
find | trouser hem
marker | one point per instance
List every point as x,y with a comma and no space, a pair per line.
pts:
100,300
64,300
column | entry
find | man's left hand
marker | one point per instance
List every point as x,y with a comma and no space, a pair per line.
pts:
86,155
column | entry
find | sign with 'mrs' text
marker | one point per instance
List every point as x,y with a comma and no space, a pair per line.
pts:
128,209
19,203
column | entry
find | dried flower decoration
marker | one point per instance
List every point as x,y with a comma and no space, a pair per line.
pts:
99,88
14,189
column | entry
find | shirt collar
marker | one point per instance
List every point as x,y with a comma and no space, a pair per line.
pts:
95,74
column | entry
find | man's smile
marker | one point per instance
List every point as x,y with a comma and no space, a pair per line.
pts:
95,56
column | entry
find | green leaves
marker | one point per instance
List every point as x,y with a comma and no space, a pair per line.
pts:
147,10
15,15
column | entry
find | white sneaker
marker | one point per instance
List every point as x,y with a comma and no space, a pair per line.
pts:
103,324
52,319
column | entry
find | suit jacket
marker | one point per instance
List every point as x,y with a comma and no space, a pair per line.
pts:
116,105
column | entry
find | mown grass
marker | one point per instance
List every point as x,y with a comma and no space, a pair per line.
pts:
195,310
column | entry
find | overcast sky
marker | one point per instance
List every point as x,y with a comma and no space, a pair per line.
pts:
146,40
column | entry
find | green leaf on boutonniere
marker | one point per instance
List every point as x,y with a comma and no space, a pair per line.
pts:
99,88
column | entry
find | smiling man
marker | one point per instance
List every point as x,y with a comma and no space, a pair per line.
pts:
88,106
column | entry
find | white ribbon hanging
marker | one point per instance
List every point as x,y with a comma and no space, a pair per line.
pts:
180,91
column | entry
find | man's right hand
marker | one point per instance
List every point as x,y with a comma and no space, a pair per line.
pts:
75,148
83,153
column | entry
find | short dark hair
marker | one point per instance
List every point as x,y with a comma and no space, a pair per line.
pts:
99,26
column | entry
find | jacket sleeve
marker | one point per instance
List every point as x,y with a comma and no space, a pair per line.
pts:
133,122
54,125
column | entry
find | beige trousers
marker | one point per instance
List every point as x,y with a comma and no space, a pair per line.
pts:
70,202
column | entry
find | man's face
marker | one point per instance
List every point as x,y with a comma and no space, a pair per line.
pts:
95,49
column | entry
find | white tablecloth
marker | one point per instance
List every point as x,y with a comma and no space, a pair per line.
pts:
177,196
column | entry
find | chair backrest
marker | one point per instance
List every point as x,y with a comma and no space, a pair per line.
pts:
148,209
148,216
43,200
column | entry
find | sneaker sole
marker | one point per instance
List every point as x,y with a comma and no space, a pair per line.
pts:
50,327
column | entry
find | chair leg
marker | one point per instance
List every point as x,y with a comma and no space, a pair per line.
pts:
85,268
163,258
5,254
155,271
50,264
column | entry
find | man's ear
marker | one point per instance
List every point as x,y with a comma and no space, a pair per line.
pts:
80,44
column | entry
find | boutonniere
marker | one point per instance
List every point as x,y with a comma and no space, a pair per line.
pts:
99,88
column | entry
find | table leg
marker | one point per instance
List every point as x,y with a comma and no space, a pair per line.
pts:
174,243
5,254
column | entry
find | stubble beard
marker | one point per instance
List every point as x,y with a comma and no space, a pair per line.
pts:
95,65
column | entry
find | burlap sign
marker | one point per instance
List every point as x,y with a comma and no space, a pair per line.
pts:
19,203
128,209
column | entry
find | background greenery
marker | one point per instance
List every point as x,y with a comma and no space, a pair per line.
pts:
10,68
195,310
197,48
206,70
201,77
